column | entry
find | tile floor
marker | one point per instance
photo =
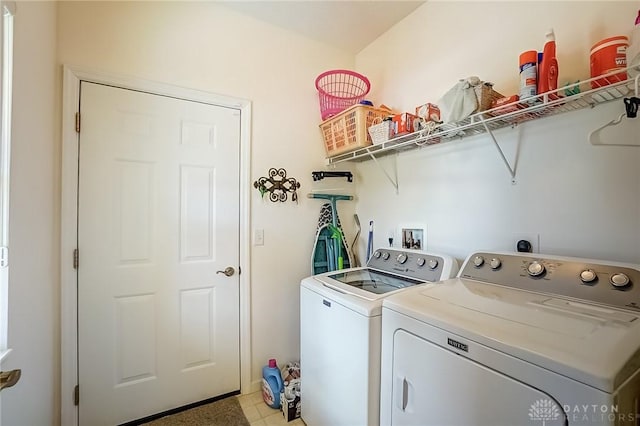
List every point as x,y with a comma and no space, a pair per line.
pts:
260,414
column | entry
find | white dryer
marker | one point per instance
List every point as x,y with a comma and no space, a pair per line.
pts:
340,323
516,339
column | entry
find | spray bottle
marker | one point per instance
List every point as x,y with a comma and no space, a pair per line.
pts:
548,67
633,51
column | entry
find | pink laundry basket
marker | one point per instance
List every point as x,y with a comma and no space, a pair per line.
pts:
340,89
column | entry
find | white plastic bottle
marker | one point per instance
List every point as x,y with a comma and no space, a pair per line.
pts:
633,51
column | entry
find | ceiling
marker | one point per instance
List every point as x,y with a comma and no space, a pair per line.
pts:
349,25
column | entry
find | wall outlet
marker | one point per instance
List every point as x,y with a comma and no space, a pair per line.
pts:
532,237
258,237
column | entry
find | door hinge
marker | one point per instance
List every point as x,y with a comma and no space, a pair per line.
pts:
76,395
4,257
77,122
76,258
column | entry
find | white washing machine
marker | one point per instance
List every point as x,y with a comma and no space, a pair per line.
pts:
340,323
516,339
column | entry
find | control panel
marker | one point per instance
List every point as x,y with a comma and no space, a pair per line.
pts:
410,263
589,280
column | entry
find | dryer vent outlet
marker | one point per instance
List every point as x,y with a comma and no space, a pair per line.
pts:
525,242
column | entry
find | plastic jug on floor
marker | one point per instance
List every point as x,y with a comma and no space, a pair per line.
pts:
271,384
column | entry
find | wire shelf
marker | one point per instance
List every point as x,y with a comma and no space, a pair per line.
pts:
561,100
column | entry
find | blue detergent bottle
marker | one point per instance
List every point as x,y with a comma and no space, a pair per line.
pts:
271,384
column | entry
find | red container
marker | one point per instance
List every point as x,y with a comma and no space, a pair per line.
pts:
405,123
506,104
607,56
428,112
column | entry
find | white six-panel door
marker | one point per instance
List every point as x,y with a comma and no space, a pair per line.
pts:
158,216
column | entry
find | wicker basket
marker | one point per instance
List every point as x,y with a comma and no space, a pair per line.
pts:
348,130
485,95
381,131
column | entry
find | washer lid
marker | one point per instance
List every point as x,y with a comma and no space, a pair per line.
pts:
352,297
372,281
593,344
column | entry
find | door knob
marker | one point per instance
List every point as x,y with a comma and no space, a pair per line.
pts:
228,271
9,378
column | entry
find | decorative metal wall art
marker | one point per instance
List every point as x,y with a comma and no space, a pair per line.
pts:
278,185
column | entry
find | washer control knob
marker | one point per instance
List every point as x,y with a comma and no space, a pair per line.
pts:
385,255
433,263
376,254
495,263
535,269
588,276
620,280
401,258
478,261
421,261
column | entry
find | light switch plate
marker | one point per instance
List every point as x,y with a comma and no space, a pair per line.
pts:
258,237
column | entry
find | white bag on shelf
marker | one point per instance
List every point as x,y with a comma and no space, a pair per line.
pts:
460,101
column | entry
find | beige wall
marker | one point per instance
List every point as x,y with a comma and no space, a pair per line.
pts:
208,47
199,45
581,200
444,41
34,287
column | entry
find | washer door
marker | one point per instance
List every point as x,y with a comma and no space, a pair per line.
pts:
436,386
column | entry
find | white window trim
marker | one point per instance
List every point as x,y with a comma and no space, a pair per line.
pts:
6,80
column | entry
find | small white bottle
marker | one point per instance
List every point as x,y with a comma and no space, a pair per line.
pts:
633,51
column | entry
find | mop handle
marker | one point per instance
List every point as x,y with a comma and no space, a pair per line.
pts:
370,241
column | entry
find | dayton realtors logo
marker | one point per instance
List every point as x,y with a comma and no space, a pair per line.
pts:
544,410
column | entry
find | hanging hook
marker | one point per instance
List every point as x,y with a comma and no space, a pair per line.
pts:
631,106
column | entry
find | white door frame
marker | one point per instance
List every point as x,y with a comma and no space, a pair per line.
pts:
72,76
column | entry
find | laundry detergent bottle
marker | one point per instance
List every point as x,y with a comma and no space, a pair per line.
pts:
271,384
548,67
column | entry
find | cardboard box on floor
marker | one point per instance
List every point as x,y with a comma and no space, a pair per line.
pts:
290,399
290,409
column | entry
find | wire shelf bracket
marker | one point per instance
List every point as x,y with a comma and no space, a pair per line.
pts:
631,106
393,179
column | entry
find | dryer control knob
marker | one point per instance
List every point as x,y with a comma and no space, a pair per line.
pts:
495,263
376,254
433,263
385,255
420,262
478,261
620,280
401,258
588,276
535,269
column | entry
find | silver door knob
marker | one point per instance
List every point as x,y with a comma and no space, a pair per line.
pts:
228,271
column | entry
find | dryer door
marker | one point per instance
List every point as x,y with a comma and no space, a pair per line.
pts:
436,386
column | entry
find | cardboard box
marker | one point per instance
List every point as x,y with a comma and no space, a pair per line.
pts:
290,395
290,409
405,123
506,104
428,112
